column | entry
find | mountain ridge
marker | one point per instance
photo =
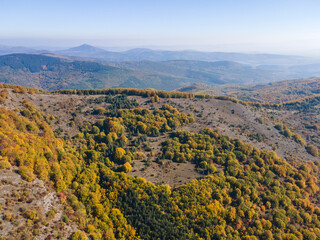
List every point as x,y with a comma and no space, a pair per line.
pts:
138,54
88,51
51,72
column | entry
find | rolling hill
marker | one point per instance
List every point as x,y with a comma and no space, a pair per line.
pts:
54,72
146,164
221,72
274,92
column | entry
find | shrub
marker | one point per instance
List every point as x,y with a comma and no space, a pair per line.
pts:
4,164
311,149
78,235
100,111
31,214
26,173
127,167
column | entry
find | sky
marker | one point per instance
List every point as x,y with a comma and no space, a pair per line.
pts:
277,26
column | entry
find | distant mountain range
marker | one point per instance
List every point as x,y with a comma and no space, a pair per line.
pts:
140,54
90,67
51,73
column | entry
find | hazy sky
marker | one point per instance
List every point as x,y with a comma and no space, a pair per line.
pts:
286,26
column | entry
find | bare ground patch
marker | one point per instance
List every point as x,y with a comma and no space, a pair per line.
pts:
29,210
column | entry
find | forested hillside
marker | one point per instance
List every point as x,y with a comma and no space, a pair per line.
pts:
51,73
54,72
253,178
